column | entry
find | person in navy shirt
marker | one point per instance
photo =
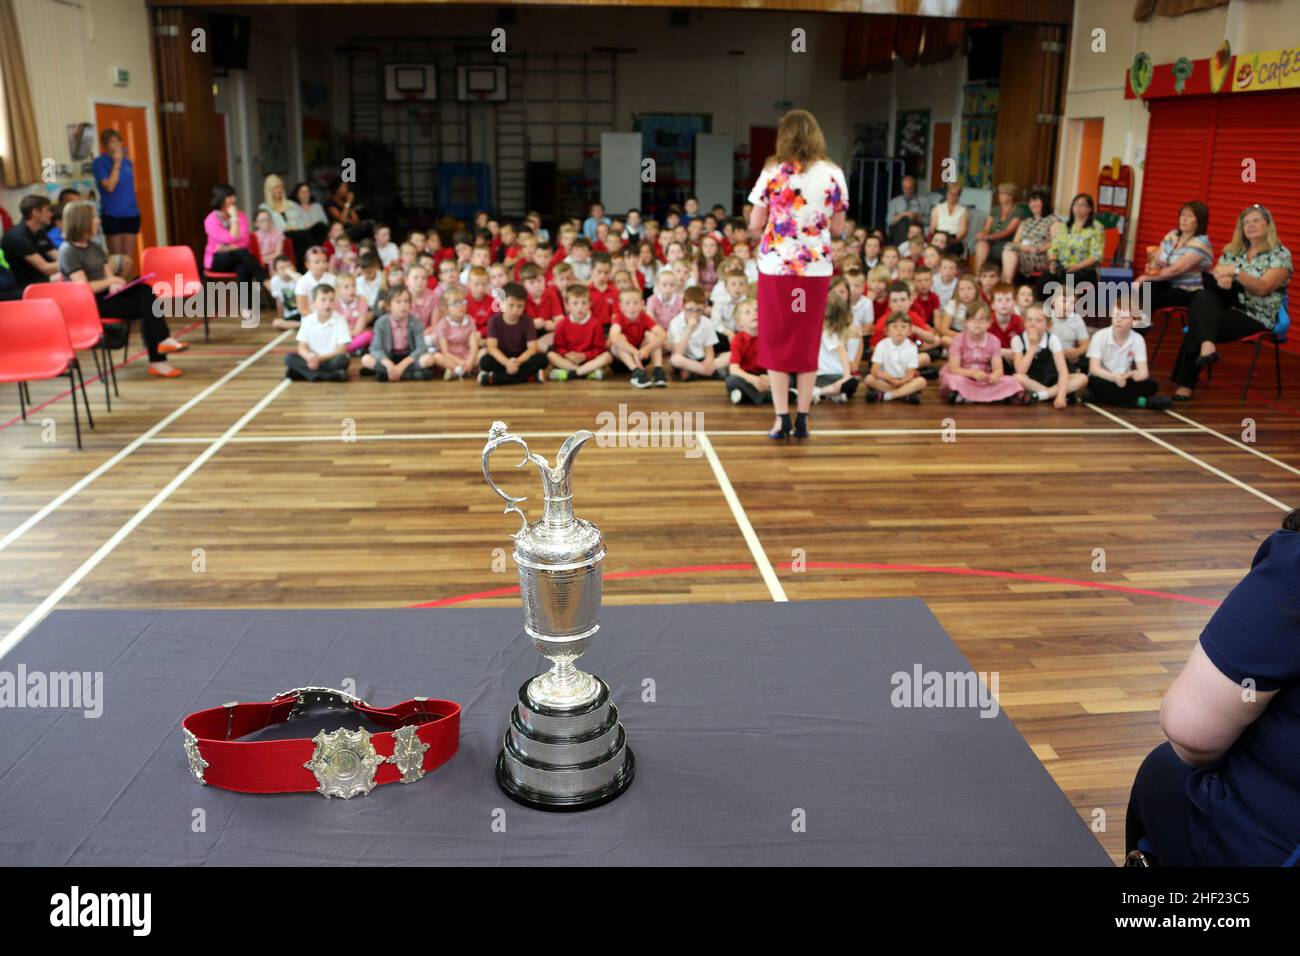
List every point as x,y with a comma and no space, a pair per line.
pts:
119,213
1225,789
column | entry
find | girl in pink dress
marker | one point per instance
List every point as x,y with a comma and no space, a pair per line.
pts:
974,369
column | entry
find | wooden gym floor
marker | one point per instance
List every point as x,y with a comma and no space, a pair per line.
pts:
231,488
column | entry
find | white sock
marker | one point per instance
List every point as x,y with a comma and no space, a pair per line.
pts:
887,397
1043,396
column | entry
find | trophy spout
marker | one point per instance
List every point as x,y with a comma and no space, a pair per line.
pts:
557,488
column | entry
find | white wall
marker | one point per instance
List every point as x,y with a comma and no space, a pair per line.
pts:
70,50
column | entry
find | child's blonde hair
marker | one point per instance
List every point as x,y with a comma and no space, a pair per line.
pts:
879,274
838,315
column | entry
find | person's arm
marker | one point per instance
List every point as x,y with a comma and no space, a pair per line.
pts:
965,225
843,353
1062,378
757,220
987,231
1013,227
109,183
1204,711
1021,359
99,285
1263,285
1140,372
43,265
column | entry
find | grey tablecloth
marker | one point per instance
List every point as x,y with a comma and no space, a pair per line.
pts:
771,739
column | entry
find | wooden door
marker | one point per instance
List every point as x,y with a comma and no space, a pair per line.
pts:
940,149
1029,105
132,122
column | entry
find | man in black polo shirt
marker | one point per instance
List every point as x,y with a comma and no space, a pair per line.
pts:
30,253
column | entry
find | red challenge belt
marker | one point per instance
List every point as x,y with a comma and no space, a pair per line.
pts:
340,763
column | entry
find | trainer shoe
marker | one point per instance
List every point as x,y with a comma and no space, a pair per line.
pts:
540,376
660,378
874,396
639,379
486,378
559,374
1161,402
596,375
736,396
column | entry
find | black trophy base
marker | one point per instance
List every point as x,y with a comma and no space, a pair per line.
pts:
566,803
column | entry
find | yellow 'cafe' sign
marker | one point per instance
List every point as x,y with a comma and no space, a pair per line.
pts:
1273,70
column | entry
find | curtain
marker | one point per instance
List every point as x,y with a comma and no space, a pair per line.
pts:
868,45
20,158
943,37
1146,9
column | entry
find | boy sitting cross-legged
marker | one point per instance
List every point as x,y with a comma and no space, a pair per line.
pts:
747,381
635,338
693,338
578,349
323,339
894,364
511,357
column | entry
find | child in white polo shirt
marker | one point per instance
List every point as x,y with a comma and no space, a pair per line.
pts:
894,364
1117,366
323,339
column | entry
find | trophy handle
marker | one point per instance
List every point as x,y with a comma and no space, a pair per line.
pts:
497,437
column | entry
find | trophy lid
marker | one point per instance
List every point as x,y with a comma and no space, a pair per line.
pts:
558,539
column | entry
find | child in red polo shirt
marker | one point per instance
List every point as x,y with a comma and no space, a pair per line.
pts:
926,303
543,305
747,380
578,349
604,294
480,303
900,300
634,338
1006,324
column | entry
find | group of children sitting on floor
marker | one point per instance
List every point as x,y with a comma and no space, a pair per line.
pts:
505,305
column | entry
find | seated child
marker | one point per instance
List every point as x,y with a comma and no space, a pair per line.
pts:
1117,366
747,381
397,350
894,364
344,258
634,338
323,339
1039,362
693,339
906,271
952,319
579,349
283,282
370,279
878,290
834,373
889,259
1006,325
1025,297
945,281
543,306
315,275
989,276
1069,327
355,312
666,302
511,357
480,303
270,241
603,292
974,370
900,300
459,344
423,301
925,302
385,248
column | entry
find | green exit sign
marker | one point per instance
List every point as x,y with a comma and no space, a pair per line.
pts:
121,77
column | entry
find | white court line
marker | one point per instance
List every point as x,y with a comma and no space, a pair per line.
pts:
25,626
1232,441
482,436
1146,433
742,519
143,438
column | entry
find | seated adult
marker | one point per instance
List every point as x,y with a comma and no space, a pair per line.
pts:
306,224
82,260
1246,295
951,217
27,244
1076,249
1225,789
906,209
341,207
226,227
276,204
9,291
1174,272
1002,222
1026,254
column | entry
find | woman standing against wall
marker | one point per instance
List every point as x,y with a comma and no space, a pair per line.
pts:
799,202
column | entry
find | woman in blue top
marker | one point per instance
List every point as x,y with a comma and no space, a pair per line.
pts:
118,213
1225,789
1175,271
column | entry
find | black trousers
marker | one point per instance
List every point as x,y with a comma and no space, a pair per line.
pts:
241,262
299,369
1081,278
1165,295
1108,393
137,302
527,370
1159,810
304,239
1209,319
748,391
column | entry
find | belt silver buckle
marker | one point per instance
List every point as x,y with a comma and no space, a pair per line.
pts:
316,701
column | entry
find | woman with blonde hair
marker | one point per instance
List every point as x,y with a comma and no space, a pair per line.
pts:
799,201
1245,296
1002,222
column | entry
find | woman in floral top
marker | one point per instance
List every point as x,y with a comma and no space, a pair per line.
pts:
1251,280
1027,251
1077,249
799,203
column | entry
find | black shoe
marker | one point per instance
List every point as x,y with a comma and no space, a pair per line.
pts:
1205,361
1159,402
782,430
422,374
380,373
1029,398
913,399
849,388
660,379
486,378
639,379
801,425
1087,396
874,396
1182,398
367,371
930,373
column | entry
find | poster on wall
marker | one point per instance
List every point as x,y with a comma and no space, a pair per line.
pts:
912,140
272,132
315,124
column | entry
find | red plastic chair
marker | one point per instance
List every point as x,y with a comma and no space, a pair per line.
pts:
1169,313
210,276
176,275
34,345
85,327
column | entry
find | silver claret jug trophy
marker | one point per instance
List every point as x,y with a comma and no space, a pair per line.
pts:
565,748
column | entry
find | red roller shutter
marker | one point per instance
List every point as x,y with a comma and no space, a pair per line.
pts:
1177,167
1264,127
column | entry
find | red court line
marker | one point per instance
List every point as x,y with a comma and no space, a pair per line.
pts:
94,378
851,565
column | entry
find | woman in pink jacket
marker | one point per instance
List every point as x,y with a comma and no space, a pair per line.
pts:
229,238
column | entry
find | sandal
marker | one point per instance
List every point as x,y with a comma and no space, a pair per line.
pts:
174,373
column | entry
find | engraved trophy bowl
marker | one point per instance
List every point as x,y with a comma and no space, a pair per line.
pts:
565,748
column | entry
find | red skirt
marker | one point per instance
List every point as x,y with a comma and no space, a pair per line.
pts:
791,312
